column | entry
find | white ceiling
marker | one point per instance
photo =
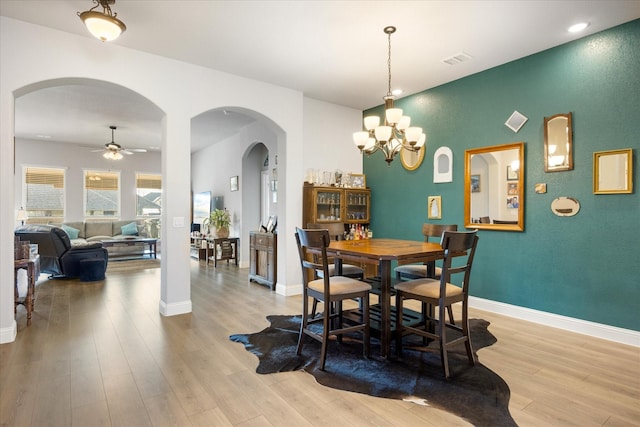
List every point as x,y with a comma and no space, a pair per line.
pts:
333,51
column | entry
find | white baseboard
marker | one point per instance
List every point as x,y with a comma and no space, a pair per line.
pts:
175,308
290,290
9,334
598,330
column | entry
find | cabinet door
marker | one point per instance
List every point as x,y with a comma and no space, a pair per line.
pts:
357,206
328,204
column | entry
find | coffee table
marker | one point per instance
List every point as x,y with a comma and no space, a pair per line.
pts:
150,242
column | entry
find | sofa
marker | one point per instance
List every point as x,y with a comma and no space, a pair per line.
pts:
82,232
59,258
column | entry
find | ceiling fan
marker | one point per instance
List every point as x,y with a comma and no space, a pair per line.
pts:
113,151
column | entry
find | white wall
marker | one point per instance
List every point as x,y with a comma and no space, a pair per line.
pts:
76,159
30,58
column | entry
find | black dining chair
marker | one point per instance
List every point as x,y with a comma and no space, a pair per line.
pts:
459,251
329,290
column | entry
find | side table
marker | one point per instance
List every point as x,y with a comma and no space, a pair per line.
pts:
33,271
224,249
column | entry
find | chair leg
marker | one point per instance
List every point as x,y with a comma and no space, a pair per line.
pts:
399,326
450,310
442,332
465,332
303,324
326,322
366,343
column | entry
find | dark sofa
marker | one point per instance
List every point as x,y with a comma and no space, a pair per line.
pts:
58,257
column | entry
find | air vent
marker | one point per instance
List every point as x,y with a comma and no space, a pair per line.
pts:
457,58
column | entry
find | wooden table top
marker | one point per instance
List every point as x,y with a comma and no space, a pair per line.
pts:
386,249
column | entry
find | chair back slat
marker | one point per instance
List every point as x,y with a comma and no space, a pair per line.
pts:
434,231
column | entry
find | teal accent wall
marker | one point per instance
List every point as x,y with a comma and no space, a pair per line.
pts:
586,266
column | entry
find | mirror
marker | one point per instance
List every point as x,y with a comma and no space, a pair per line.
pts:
443,165
494,187
558,143
411,159
613,171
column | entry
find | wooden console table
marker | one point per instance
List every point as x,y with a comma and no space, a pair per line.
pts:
33,271
223,249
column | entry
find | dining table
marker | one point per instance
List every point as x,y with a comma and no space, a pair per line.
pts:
382,252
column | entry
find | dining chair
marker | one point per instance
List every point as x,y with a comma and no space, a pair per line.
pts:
442,293
336,232
419,271
331,291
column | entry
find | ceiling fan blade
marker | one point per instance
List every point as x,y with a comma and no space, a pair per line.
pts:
125,151
137,150
97,151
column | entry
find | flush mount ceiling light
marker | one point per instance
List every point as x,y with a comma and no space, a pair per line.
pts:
395,135
103,25
576,28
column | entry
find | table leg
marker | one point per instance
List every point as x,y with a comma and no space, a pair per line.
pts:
385,307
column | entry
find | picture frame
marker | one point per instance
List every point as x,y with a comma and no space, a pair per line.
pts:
358,180
515,121
475,183
513,202
272,223
233,183
541,188
512,174
512,188
434,207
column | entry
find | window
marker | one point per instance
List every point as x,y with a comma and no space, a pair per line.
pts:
44,192
101,194
148,195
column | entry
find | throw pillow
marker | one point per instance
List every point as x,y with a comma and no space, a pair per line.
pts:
72,232
130,229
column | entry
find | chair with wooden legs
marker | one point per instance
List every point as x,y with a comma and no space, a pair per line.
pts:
442,293
336,232
331,291
431,232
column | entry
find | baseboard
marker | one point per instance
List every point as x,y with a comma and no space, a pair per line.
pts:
9,334
597,330
288,291
175,308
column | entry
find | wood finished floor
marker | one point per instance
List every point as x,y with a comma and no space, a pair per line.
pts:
100,354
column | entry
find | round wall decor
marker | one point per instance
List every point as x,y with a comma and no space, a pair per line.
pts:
565,206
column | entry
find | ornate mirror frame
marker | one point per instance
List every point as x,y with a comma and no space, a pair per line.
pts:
558,143
501,185
613,171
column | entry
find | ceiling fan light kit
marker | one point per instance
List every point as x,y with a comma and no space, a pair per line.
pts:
113,151
103,25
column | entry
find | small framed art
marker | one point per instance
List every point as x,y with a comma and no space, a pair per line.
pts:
233,183
475,183
434,207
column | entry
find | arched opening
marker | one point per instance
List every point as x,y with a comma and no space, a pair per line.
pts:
232,143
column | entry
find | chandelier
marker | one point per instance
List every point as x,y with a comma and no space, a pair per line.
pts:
103,25
396,133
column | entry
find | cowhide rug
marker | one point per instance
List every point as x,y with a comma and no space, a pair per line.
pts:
474,393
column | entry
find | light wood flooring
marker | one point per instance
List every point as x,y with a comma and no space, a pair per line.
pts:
100,354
